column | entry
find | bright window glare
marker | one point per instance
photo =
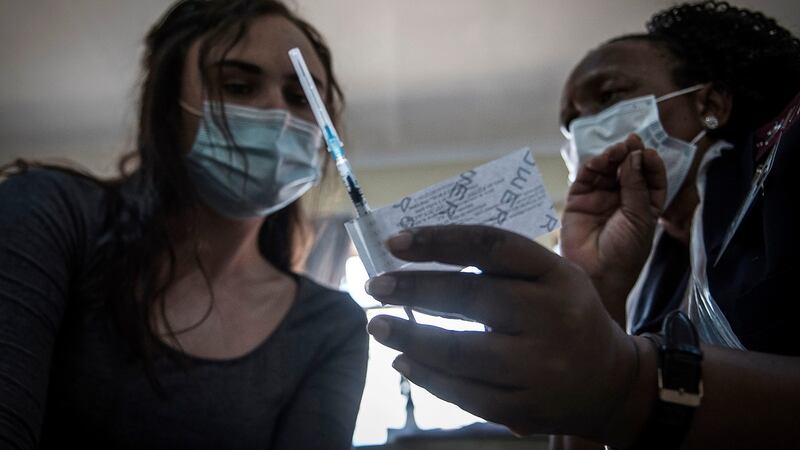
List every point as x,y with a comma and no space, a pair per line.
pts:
355,278
382,405
471,269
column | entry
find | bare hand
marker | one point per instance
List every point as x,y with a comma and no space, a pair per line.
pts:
554,361
611,213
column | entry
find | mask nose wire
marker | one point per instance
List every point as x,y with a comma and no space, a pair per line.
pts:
568,134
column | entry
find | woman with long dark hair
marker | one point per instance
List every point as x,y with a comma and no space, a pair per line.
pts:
161,309
686,136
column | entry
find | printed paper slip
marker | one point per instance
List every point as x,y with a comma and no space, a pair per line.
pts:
506,193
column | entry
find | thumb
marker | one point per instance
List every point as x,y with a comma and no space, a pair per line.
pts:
634,191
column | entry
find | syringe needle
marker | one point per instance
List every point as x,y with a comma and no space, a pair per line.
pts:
332,141
329,133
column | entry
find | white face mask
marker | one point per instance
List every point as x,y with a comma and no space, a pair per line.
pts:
274,161
592,135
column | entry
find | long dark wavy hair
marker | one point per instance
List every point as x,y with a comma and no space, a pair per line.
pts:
153,204
740,52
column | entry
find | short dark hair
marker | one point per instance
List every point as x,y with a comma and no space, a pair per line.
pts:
739,51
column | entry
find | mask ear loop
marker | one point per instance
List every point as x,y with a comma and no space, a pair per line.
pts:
565,132
680,92
190,109
699,136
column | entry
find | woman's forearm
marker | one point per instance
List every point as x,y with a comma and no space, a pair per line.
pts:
751,400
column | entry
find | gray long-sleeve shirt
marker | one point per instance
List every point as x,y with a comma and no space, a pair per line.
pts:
67,376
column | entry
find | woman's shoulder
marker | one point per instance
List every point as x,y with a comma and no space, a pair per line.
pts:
52,189
62,205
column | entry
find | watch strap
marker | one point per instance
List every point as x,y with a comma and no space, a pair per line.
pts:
680,387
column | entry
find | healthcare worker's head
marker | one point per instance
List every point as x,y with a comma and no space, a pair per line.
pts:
685,84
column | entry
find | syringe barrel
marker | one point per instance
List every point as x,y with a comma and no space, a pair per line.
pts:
343,167
351,183
333,143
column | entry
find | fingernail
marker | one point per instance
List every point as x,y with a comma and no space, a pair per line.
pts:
401,365
379,328
380,286
636,160
400,241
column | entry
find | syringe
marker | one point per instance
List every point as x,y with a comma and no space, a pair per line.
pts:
334,144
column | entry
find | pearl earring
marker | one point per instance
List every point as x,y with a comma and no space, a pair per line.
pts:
711,122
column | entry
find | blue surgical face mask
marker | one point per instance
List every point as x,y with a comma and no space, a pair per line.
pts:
592,135
270,160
